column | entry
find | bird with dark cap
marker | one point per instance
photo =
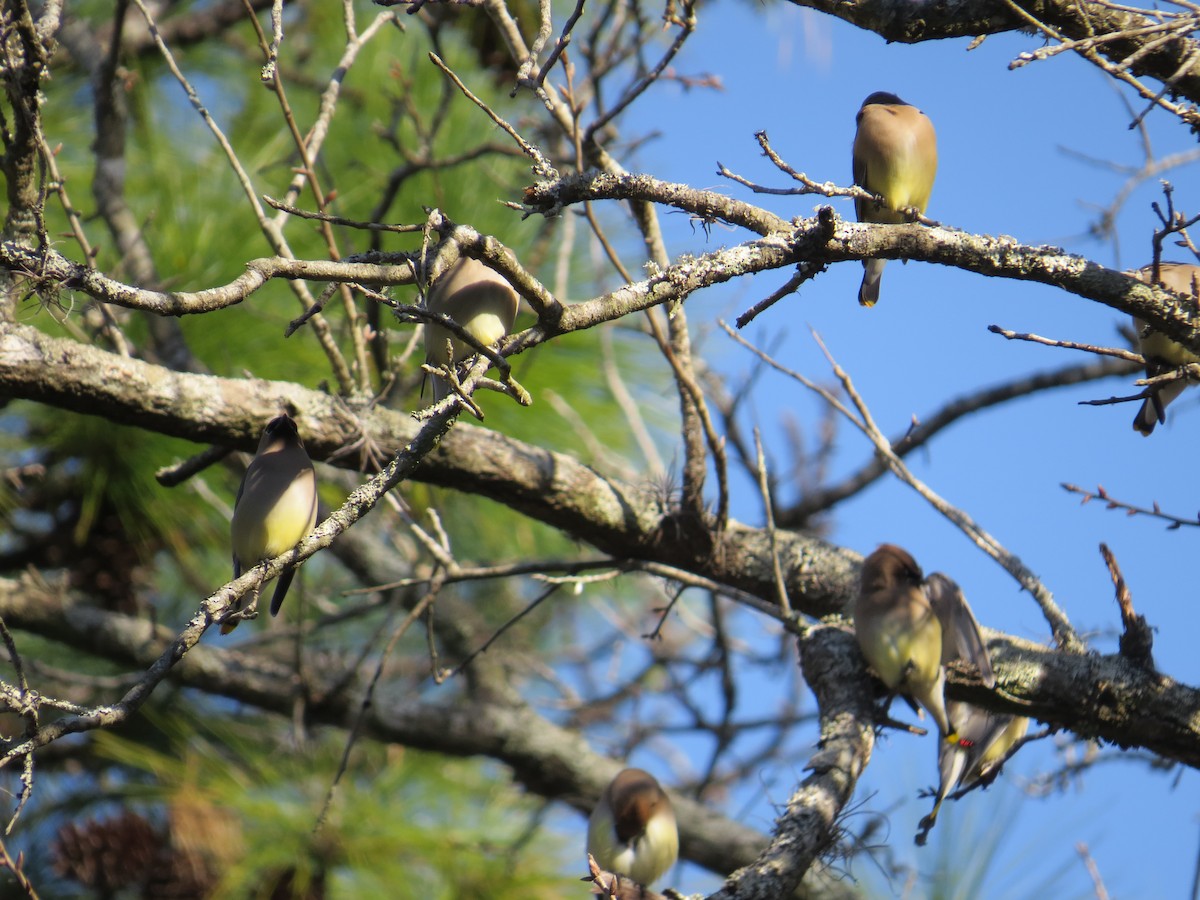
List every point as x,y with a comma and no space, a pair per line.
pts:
895,158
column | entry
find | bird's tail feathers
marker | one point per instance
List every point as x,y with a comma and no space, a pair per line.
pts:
868,292
281,589
1154,407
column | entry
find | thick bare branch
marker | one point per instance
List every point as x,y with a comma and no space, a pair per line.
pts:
1134,44
622,519
1118,704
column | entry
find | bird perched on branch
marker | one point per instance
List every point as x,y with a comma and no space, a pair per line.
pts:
901,634
894,157
1161,353
478,299
632,830
276,506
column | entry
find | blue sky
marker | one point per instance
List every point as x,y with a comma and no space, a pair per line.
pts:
801,76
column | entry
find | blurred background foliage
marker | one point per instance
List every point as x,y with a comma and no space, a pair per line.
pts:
230,796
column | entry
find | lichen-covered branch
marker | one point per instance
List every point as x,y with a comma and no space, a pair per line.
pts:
1122,35
1091,695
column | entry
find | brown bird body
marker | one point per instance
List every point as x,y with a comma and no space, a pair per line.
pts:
632,830
478,299
898,632
1161,353
276,506
894,157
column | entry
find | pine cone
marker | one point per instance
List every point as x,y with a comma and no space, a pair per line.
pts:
107,855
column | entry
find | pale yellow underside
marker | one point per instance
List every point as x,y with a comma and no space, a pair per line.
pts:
275,512
646,859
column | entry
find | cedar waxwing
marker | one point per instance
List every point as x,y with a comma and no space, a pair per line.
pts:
276,505
901,634
895,156
632,830
478,299
1163,354
984,738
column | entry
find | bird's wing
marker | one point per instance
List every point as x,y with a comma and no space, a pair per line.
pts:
960,631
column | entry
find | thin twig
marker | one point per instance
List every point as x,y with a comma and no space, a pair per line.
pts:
1093,871
29,712
765,491
18,872
631,410
1064,633
177,473
1137,638
541,163
1117,352
1173,522
307,169
687,25
789,287
273,233
925,428
341,220
356,728
530,607
1185,112
564,38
